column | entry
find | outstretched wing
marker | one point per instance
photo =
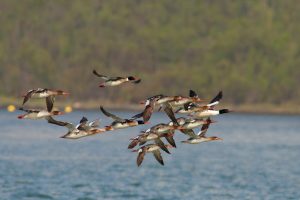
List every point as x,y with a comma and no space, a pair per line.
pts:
51,120
204,129
189,132
161,145
49,102
158,157
95,123
133,143
140,158
168,110
111,115
28,95
83,120
29,110
217,98
100,75
137,81
170,139
139,115
192,93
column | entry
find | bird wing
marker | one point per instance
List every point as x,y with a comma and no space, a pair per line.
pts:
168,110
118,119
171,140
140,158
148,112
192,93
83,120
29,110
216,99
158,156
139,115
94,124
133,143
161,145
137,81
204,129
49,102
100,75
189,132
51,120
142,142
28,95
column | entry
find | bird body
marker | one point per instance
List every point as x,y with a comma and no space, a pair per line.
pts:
209,113
115,81
37,114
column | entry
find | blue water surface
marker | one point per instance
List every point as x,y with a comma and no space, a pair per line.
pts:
259,158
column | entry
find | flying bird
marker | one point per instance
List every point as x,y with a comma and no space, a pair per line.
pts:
49,94
114,81
118,122
149,148
82,129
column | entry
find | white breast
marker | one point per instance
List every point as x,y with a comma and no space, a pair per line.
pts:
43,113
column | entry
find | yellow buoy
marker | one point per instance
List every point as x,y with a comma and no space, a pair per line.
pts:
11,108
68,109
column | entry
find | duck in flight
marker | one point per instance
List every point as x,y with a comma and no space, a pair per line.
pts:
114,81
118,122
49,94
83,129
149,136
194,107
37,114
201,136
148,110
149,148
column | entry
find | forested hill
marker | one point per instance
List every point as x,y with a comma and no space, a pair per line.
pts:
248,49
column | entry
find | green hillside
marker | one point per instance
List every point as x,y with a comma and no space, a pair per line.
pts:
248,49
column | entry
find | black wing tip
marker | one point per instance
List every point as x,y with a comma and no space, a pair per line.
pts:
222,111
83,119
137,81
192,93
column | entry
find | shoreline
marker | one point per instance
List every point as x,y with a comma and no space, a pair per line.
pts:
287,109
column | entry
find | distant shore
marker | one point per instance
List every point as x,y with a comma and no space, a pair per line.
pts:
95,104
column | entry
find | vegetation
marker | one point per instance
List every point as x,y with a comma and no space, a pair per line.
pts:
248,49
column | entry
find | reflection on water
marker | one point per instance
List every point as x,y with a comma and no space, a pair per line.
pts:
258,159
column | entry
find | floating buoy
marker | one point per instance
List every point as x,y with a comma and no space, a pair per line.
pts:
68,109
11,108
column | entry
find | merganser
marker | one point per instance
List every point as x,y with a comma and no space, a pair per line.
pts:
209,113
143,138
146,114
153,148
147,136
118,122
37,114
114,81
49,94
201,136
193,123
159,100
181,100
192,107
83,129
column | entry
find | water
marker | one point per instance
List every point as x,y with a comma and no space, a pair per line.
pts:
258,159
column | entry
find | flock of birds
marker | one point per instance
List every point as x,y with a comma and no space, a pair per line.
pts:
198,115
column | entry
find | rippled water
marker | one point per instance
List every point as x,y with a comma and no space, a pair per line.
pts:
259,158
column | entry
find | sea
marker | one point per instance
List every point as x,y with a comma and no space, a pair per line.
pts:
258,158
